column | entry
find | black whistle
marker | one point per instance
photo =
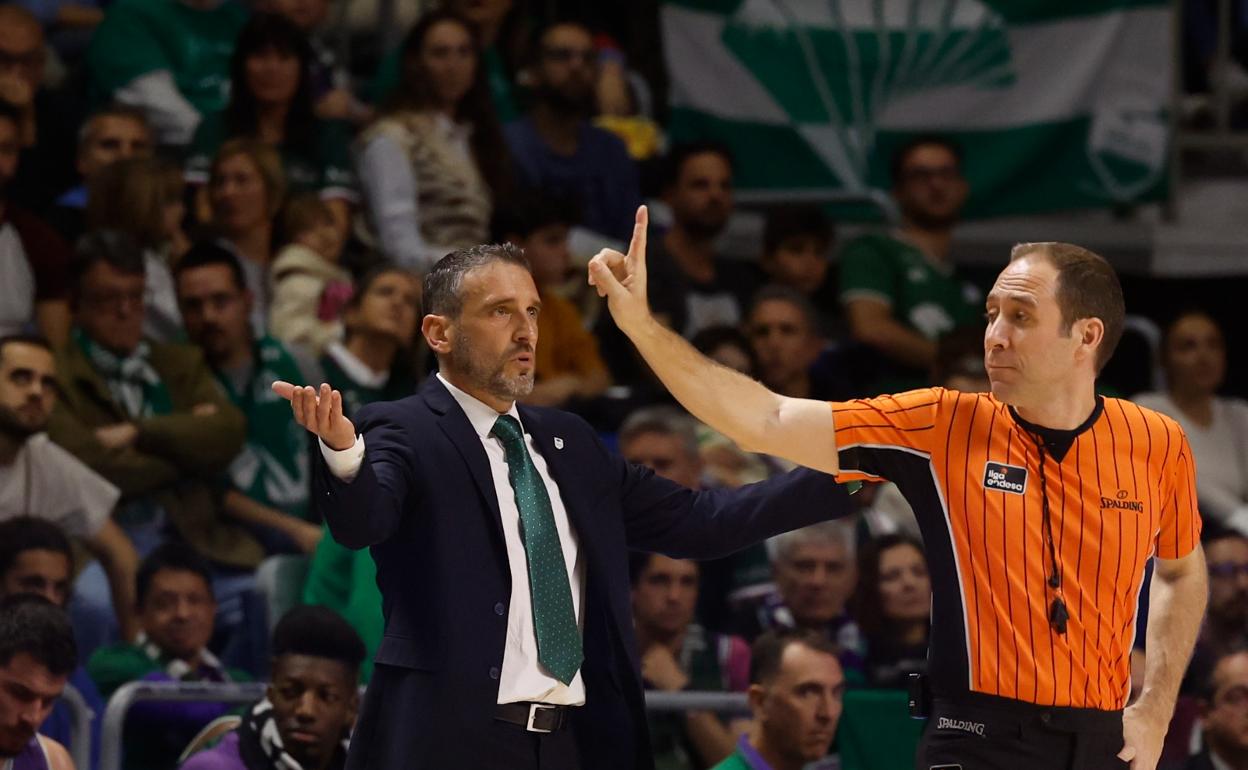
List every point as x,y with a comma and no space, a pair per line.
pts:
1058,616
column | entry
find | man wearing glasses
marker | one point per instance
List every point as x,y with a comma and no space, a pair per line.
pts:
559,151
1225,629
1224,714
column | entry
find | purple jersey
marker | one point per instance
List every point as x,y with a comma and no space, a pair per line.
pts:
32,757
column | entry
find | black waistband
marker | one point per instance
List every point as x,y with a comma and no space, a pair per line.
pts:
545,718
1000,711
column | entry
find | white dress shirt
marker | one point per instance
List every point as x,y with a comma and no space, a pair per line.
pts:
522,677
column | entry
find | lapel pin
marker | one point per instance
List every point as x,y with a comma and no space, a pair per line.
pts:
558,443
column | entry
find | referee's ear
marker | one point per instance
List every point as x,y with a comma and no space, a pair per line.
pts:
1091,335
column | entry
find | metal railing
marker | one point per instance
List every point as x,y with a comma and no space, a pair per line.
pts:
112,731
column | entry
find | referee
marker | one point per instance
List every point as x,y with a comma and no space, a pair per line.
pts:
1039,504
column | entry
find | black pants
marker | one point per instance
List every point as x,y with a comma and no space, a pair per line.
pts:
506,746
983,732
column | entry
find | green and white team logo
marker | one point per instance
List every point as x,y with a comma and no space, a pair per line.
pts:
1059,103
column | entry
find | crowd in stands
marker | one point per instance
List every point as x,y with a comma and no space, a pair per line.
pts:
207,198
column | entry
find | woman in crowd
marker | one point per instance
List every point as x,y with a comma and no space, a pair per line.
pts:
893,608
142,197
373,363
246,190
271,101
1193,355
433,165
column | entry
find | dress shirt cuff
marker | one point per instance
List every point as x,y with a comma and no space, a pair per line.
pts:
344,463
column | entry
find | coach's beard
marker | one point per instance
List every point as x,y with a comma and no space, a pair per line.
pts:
491,376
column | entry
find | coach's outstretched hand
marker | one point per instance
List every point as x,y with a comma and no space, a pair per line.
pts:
320,412
621,278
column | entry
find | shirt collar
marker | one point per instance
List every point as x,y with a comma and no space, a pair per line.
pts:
480,414
356,369
751,755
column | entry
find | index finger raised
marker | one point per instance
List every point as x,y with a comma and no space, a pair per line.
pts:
637,247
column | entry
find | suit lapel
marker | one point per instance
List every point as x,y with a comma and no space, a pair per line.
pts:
454,423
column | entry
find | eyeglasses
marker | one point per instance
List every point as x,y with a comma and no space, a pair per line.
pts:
1228,570
931,174
1236,696
565,55
114,300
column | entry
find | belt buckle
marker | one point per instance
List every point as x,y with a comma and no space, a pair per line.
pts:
533,709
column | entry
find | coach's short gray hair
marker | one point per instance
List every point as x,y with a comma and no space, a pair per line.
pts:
443,284
836,532
663,420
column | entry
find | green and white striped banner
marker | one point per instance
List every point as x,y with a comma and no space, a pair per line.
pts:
1059,103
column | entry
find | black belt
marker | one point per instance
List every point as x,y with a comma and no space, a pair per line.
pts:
534,717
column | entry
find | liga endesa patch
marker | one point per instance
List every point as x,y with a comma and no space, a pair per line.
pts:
1005,478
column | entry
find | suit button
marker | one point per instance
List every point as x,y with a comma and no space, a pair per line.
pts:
494,672
499,609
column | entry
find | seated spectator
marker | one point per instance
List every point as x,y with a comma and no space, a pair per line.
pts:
328,75
269,481
142,197
1193,354
372,364
33,258
246,190
729,346
68,24
306,718
37,655
151,419
665,440
893,609
568,366
271,103
1224,703
785,331
433,165
170,58
796,692
678,654
176,608
46,120
309,289
555,147
901,291
111,133
797,246
38,478
37,559
1225,628
814,573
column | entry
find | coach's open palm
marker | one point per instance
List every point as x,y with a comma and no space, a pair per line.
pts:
621,278
319,412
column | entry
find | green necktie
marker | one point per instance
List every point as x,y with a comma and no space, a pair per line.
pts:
558,638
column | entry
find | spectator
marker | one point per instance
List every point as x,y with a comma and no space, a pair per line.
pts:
176,608
727,345
328,75
796,691
372,364
1225,628
678,654
170,58
555,147
893,609
46,121
1224,709
69,24
309,288
271,102
33,258
691,288
38,478
246,190
37,655
111,133
1193,354
305,719
664,439
815,574
37,559
797,244
568,364
143,198
150,418
269,483
785,331
902,291
434,164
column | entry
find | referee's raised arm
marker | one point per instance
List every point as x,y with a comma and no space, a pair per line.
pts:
757,419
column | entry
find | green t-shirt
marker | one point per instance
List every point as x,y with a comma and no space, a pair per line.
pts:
272,469
735,761
139,37
929,299
323,167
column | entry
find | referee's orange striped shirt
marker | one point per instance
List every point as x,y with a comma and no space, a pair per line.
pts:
1121,489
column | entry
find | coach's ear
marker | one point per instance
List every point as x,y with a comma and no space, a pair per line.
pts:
438,331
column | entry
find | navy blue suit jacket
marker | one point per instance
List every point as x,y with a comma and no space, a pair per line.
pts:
424,501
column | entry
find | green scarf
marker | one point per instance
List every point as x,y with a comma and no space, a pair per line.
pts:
133,383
